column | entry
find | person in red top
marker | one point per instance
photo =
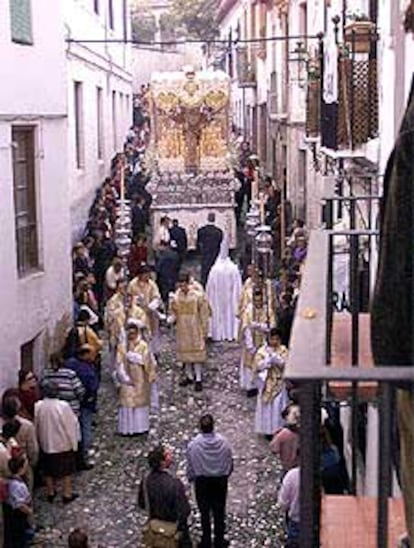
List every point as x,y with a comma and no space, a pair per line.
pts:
29,393
285,442
137,255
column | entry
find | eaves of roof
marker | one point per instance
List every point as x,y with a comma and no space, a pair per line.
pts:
224,8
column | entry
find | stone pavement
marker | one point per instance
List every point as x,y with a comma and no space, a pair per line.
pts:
108,493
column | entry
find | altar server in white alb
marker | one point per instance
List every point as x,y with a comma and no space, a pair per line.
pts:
272,398
223,290
256,321
136,375
145,294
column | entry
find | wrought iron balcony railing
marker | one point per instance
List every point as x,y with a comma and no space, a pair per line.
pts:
313,368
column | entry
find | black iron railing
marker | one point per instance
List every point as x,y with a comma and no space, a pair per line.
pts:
309,366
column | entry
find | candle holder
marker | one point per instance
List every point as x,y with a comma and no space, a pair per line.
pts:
263,239
123,232
252,220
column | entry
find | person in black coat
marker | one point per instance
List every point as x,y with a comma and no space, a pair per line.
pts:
209,238
138,218
167,267
179,235
163,496
392,318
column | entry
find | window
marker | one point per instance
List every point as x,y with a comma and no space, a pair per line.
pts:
96,6
21,21
303,22
99,122
111,14
25,199
125,19
114,135
128,111
27,356
121,108
79,135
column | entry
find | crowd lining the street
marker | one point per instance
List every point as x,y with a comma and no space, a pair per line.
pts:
47,423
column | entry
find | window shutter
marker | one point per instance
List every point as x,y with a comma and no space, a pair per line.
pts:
21,21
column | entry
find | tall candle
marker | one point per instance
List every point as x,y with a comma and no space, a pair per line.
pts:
255,186
122,181
262,209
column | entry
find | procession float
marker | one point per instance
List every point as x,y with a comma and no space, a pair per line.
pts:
190,156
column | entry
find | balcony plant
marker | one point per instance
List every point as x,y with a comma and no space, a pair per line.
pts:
359,31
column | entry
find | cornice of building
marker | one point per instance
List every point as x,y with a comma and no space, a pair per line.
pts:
225,7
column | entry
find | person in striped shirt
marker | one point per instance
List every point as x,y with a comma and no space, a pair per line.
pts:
70,388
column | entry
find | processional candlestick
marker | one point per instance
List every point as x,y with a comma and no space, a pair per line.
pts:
123,221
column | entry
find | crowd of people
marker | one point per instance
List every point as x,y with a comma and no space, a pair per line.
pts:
119,305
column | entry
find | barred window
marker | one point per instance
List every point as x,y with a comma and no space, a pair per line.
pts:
25,199
99,123
79,127
21,21
111,14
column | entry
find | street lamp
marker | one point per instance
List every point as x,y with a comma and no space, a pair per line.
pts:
252,222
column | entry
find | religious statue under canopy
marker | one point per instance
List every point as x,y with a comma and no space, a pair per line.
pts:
190,118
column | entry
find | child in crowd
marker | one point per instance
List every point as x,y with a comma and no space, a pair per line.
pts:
18,509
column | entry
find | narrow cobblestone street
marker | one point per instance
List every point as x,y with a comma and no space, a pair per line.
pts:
108,493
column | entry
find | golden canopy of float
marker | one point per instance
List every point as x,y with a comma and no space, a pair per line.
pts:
190,119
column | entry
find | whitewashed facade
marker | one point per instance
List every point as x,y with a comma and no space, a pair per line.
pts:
34,214
309,170
100,108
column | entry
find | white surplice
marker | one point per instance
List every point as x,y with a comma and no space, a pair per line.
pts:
223,290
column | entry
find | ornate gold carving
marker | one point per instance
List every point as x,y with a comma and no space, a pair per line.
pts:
188,121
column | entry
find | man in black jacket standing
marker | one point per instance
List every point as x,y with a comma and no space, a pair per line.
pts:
167,267
209,238
179,235
165,494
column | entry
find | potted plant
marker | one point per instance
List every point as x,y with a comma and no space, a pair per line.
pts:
359,31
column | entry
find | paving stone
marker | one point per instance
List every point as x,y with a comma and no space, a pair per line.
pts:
108,493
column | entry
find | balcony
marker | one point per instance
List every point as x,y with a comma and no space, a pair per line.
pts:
353,119
330,356
246,72
313,107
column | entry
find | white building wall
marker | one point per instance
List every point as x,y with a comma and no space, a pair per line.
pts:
33,92
230,23
104,65
146,60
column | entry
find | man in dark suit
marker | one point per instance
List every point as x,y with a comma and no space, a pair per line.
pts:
179,235
167,267
138,218
209,238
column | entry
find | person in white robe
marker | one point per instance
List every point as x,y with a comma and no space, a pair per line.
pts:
114,319
136,373
256,322
146,295
223,290
272,398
